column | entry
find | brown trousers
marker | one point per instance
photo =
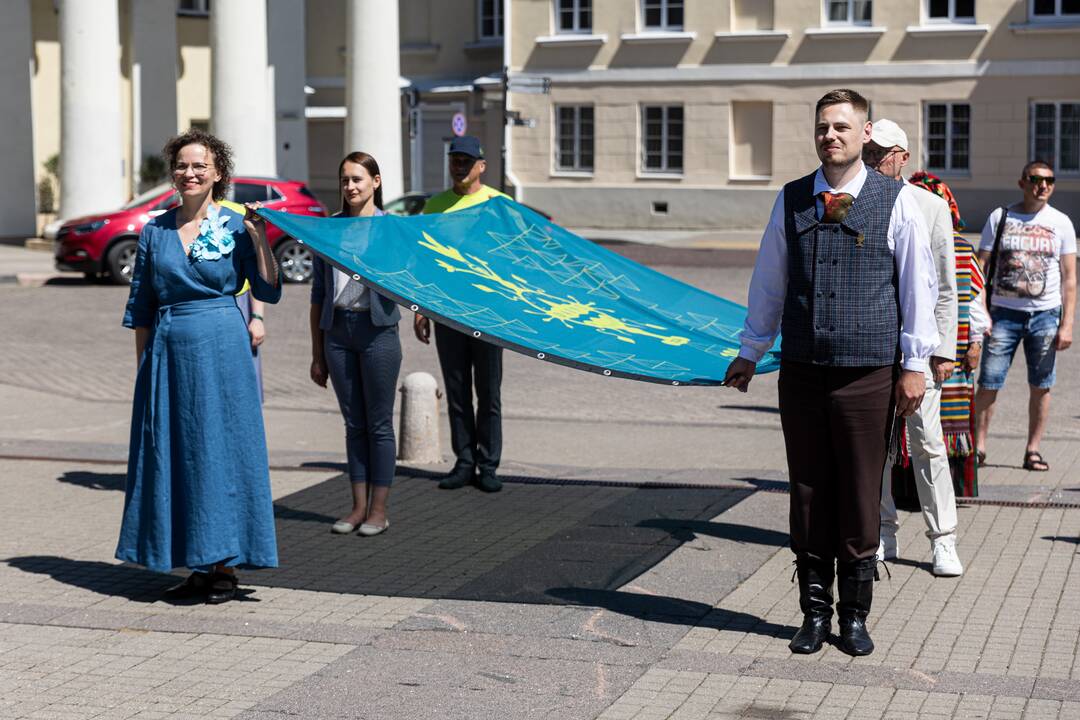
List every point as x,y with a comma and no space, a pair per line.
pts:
836,423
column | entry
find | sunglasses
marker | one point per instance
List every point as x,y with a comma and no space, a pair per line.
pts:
1036,179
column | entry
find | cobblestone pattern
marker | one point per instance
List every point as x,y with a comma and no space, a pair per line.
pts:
61,565
680,695
50,672
1015,612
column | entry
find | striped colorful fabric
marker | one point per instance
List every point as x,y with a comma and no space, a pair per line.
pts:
958,392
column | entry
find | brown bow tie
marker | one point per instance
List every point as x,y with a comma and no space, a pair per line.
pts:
837,206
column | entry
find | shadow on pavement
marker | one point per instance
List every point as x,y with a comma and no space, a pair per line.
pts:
511,546
767,485
94,480
538,541
1062,538
685,530
928,567
675,611
769,409
126,581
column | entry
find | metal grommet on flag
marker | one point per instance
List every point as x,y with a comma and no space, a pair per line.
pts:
356,277
414,308
607,372
674,382
540,356
476,333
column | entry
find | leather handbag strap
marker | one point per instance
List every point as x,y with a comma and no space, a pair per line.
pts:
992,267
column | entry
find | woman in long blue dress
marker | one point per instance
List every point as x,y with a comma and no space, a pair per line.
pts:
198,485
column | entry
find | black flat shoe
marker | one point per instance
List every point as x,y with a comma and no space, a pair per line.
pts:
222,588
195,585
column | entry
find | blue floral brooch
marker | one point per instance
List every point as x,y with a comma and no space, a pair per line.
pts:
215,241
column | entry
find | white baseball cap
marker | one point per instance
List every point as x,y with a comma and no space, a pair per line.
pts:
888,134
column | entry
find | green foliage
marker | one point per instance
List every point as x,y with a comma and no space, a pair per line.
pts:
152,170
46,196
52,166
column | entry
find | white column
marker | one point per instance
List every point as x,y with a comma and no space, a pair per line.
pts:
152,45
18,216
285,19
241,111
372,89
91,145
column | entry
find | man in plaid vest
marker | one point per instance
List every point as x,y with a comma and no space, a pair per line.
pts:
846,274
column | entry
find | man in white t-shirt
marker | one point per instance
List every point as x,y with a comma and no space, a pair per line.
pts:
1032,301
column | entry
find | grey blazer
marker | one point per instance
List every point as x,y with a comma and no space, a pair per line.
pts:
384,311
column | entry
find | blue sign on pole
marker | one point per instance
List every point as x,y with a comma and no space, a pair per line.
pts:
458,124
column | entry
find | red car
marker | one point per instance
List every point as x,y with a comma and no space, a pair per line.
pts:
105,244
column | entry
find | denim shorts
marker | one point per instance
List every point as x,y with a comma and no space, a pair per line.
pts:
1037,330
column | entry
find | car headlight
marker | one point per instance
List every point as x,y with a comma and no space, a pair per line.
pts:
89,227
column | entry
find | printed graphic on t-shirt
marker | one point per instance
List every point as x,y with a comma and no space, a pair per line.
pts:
1028,254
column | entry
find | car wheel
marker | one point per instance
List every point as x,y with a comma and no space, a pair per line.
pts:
121,261
294,260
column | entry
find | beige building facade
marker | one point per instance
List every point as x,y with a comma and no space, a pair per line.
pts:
667,114
694,113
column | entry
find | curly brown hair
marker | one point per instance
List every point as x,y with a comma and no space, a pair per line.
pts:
222,153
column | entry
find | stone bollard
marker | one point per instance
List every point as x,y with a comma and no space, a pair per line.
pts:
418,436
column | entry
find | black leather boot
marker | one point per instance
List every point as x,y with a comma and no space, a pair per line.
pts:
855,587
815,599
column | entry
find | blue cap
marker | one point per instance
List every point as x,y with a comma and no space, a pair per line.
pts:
467,145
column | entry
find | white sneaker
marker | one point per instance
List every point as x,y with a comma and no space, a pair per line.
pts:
887,549
946,561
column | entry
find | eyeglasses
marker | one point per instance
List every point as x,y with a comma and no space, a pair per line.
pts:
200,169
892,151
1036,179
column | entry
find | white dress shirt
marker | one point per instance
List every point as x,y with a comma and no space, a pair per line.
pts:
909,241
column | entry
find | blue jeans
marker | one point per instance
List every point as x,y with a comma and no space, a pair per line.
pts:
1038,332
364,361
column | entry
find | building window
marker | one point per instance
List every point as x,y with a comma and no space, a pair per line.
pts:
1054,9
574,138
193,7
662,15
573,16
948,137
662,138
848,12
1055,135
751,140
955,11
490,19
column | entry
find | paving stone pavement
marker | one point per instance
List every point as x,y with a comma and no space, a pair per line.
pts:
694,624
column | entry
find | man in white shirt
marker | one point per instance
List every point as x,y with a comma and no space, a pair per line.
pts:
1032,272
845,271
887,152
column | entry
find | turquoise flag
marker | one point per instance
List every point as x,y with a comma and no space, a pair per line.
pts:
505,274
